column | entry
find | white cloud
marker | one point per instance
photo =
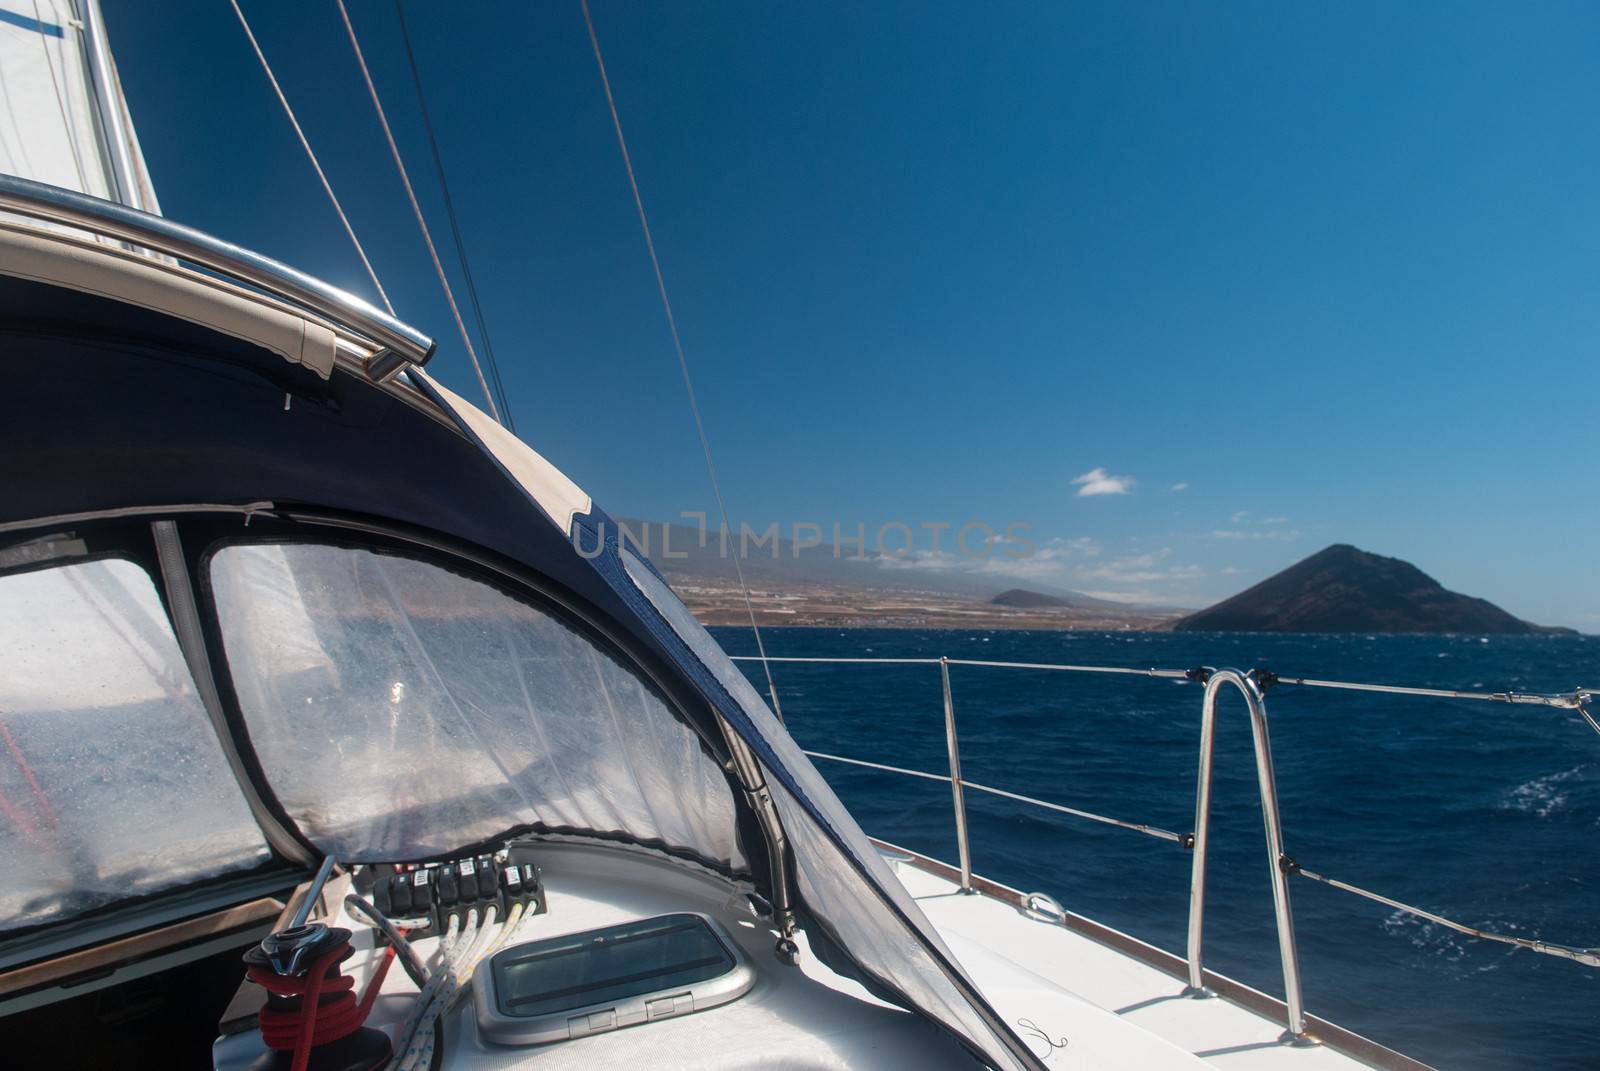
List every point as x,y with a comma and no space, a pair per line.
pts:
1020,568
1141,569
1065,548
1278,535
1046,561
1146,559
1180,487
1127,575
1099,482
1240,516
1274,520
1232,570
1141,576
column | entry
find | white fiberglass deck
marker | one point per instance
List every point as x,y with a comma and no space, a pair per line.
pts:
1100,1007
1001,948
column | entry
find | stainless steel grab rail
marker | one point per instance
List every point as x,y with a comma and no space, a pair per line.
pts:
958,801
398,344
1287,952
1252,685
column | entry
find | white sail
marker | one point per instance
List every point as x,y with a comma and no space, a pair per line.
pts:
63,118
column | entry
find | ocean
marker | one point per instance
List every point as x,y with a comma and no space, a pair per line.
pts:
1486,813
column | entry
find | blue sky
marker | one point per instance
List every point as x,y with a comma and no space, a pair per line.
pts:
1332,269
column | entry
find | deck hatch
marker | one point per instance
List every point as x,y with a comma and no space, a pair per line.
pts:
602,979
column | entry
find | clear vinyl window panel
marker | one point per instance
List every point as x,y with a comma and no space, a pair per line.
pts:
112,782
402,710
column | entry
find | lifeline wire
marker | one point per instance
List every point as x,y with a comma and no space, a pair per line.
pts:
677,345
416,210
1589,956
316,166
1578,700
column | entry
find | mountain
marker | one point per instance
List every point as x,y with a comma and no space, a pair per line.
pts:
1345,589
1025,599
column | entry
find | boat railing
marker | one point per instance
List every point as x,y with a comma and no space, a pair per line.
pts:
396,344
1253,685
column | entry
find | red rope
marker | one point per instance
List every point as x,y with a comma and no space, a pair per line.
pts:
376,984
23,823
27,771
315,1022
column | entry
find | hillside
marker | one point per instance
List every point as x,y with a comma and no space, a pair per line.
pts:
808,585
1344,589
1028,599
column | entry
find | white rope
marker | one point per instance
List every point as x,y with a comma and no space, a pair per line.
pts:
416,210
418,1052
448,941
418,1021
677,345
312,156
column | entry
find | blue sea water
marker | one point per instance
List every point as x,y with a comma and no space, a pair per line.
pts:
1483,812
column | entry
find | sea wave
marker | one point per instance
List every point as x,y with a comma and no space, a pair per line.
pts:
1446,945
1547,795
1427,937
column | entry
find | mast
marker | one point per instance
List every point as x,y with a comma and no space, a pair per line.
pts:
106,89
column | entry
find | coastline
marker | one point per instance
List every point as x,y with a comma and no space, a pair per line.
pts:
898,608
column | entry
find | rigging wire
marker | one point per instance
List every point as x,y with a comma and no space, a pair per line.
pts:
677,345
306,145
416,210
455,226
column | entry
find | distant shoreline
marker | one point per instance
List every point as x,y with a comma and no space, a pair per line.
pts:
976,624
908,610
1339,591
797,626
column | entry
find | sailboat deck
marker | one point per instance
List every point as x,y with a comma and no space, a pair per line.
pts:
1138,984
1078,1000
